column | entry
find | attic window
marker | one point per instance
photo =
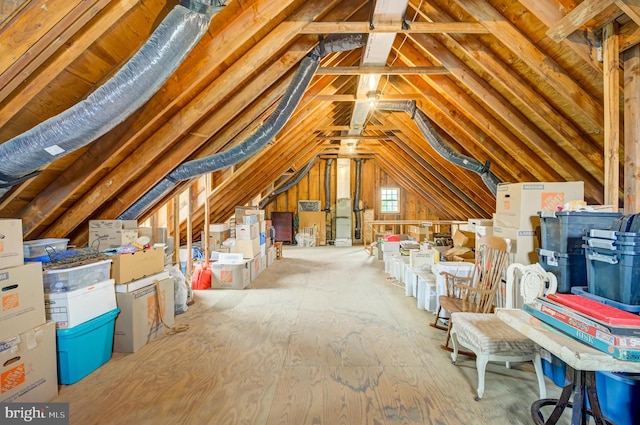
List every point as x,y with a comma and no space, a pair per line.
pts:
389,200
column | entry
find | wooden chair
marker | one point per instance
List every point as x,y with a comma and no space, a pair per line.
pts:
491,339
476,293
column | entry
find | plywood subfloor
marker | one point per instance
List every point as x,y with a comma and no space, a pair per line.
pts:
320,338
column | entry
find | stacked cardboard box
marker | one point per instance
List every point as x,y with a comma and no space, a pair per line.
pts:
517,207
463,245
104,234
27,340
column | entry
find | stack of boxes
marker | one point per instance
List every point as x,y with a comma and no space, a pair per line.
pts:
27,339
517,207
252,252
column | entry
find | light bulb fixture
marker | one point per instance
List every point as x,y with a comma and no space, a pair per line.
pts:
373,97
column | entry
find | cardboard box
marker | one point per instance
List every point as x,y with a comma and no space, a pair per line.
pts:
28,366
141,283
73,308
218,227
250,219
104,234
271,255
255,267
263,262
22,297
248,249
231,276
523,244
517,204
423,259
11,250
159,236
390,246
247,232
464,238
473,222
136,265
139,321
459,253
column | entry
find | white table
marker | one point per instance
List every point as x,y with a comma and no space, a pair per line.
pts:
582,363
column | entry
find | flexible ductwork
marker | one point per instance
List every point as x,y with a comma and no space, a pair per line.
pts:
293,180
327,184
356,200
424,124
261,137
111,103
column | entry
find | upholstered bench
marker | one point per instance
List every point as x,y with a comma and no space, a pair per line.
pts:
490,339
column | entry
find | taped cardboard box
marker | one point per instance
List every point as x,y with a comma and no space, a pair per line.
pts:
136,265
139,320
231,276
11,249
22,297
464,238
28,366
459,253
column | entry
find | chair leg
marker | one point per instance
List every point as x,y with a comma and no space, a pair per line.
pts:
446,342
435,322
454,340
481,365
537,365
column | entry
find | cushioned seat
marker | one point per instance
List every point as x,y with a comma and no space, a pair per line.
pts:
491,339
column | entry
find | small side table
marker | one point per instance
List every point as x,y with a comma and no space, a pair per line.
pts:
582,363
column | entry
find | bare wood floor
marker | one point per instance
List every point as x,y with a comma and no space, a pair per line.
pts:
319,338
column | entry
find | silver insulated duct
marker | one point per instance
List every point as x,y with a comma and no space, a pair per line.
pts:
289,184
356,200
111,103
424,124
261,137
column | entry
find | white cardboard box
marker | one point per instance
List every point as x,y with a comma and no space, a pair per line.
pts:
141,283
421,259
517,204
390,246
473,222
28,369
73,308
231,276
22,297
246,232
11,252
139,320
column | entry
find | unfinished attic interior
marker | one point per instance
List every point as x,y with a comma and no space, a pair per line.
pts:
326,130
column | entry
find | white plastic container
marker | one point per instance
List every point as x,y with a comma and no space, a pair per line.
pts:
73,308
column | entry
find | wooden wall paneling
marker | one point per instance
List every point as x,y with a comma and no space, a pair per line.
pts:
175,230
611,76
462,183
313,179
631,130
447,204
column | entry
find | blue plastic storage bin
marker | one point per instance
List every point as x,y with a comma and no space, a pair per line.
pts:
619,397
613,274
84,348
569,269
555,369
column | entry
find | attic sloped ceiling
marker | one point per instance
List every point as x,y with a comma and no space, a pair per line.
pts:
516,83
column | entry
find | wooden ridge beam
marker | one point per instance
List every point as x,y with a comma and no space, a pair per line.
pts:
382,27
389,70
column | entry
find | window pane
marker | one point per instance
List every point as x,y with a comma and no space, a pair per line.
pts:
389,200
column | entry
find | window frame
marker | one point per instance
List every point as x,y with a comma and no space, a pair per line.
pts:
384,199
